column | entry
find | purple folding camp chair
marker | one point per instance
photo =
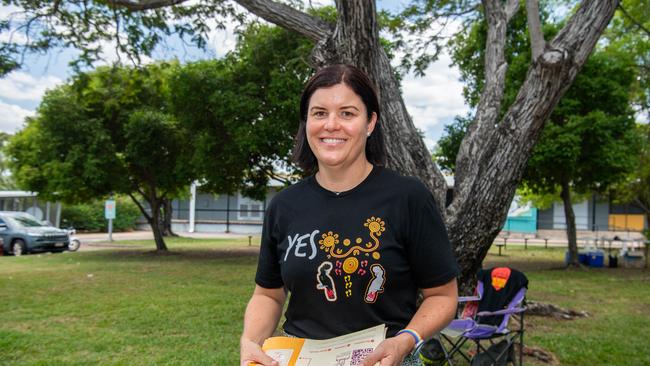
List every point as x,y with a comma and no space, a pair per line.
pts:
500,294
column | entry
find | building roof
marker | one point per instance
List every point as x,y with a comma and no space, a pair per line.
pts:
17,194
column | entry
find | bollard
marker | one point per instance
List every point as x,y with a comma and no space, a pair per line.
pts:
505,241
546,243
249,240
525,243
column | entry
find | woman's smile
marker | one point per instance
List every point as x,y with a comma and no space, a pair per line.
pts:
338,126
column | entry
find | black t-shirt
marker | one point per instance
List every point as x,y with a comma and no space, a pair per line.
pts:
355,259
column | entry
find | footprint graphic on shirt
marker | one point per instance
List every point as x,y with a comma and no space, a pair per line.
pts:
325,281
376,285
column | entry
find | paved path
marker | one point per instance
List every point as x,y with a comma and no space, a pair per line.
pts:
147,235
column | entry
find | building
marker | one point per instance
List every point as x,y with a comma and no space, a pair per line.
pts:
205,212
29,202
596,214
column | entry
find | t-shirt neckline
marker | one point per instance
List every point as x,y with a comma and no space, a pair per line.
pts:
313,182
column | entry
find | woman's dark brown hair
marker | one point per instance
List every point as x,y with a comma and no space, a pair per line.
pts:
359,82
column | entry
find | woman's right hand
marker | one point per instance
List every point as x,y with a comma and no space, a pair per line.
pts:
250,353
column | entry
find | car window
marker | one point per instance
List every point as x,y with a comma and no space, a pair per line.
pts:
25,221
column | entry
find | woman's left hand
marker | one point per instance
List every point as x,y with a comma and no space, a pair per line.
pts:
390,352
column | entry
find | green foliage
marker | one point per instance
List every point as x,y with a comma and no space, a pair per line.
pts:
628,37
468,54
6,180
79,146
589,140
90,216
546,199
151,131
89,26
448,145
636,187
244,109
411,30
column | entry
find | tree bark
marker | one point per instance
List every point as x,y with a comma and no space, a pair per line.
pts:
489,174
355,40
570,220
167,218
494,153
156,225
153,218
537,43
289,18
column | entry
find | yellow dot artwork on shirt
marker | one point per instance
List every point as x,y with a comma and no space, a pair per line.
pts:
330,244
376,226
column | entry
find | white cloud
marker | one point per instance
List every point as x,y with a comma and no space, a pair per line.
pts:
21,86
222,41
434,100
12,117
13,37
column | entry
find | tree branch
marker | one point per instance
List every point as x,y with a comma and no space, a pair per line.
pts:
142,5
641,205
636,22
142,209
479,132
537,42
499,163
287,17
512,6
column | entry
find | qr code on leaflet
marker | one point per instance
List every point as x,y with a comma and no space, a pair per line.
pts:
358,355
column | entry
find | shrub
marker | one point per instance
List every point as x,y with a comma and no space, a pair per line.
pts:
90,216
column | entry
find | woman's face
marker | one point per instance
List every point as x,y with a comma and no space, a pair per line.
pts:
337,126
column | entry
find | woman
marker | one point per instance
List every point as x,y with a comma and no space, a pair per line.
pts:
352,243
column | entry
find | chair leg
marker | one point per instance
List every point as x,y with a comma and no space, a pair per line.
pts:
456,348
521,340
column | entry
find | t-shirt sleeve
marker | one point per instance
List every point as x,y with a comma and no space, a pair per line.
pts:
268,266
430,254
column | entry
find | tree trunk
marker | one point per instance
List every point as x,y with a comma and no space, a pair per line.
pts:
167,218
494,153
570,220
156,224
492,168
355,40
153,219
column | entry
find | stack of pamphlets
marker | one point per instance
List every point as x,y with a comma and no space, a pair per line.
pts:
346,350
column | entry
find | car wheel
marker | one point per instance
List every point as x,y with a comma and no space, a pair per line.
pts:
18,247
74,245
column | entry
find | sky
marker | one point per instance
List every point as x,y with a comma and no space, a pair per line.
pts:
432,100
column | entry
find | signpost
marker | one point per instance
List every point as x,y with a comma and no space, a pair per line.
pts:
109,213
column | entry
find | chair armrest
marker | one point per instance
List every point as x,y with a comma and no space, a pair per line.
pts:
468,298
501,312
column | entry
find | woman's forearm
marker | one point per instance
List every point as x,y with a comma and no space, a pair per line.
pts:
436,311
263,314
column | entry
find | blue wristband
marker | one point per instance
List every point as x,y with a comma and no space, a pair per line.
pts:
414,334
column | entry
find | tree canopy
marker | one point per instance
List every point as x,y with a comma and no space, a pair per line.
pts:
498,142
628,37
150,131
243,110
590,141
106,132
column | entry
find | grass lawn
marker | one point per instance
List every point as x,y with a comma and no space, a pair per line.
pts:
134,307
